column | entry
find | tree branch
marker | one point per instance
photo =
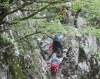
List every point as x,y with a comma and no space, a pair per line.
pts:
15,10
4,30
19,8
6,47
28,10
52,2
27,16
35,12
30,34
45,17
32,17
36,33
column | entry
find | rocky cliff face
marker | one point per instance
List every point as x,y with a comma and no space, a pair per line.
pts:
80,59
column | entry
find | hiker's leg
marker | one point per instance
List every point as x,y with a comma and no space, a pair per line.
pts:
54,46
75,22
67,19
61,47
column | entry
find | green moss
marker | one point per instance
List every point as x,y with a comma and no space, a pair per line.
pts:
16,72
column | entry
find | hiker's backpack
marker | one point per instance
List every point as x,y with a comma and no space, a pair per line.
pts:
50,47
56,38
53,68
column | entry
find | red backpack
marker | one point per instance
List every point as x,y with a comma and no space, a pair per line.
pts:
50,47
53,67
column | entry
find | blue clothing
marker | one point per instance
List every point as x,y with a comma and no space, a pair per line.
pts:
57,38
54,59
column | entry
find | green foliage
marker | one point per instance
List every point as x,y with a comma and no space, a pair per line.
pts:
6,37
18,72
98,53
92,6
14,66
15,17
5,5
91,30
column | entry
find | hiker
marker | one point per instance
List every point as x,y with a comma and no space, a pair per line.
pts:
57,43
64,11
54,63
76,16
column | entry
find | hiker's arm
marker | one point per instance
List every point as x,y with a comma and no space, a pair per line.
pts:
60,37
